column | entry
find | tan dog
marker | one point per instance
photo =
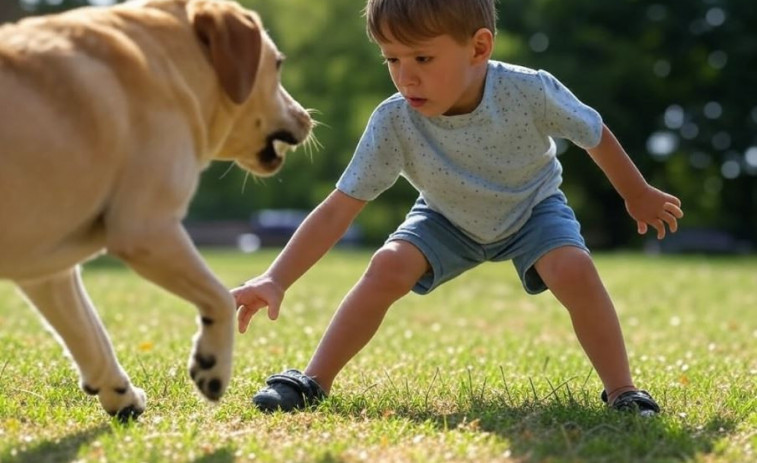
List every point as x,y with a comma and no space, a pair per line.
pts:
107,117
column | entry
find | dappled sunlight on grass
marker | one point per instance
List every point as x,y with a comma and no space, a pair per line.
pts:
476,371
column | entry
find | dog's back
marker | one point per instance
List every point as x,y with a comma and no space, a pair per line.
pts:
76,92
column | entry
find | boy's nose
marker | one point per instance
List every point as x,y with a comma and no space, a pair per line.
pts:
406,76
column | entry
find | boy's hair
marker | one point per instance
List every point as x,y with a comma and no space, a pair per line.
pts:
412,21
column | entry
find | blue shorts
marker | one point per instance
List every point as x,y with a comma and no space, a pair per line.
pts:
450,252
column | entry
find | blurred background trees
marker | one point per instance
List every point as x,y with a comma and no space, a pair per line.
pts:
676,80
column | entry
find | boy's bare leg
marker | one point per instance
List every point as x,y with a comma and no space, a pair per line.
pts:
393,271
570,274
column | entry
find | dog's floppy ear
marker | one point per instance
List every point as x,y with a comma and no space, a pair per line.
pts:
233,40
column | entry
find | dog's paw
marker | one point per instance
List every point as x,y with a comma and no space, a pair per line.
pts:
124,402
210,360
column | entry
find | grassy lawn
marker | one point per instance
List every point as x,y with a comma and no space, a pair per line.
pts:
477,371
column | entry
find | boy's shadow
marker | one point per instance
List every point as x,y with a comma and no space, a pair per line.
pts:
63,449
574,432
222,455
569,431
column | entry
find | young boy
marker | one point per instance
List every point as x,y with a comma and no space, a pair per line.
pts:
474,137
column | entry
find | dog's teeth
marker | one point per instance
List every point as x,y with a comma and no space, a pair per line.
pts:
280,147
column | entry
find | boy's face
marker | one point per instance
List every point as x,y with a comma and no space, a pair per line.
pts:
438,76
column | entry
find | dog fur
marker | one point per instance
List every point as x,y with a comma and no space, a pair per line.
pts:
107,118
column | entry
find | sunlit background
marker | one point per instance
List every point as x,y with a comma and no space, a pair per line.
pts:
675,80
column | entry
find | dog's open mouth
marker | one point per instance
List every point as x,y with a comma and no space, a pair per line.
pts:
272,156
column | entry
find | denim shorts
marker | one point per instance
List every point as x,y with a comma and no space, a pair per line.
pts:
450,252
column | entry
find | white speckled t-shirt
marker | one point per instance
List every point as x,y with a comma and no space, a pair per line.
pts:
484,170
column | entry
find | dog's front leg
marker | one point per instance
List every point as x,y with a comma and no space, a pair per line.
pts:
165,255
64,303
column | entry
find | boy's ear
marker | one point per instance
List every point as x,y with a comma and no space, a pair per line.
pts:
483,45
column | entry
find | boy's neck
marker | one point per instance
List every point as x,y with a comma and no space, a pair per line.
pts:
479,82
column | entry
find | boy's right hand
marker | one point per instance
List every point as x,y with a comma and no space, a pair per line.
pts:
255,294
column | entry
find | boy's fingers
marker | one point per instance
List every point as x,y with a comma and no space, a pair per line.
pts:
641,227
239,295
675,201
248,297
273,311
251,297
671,221
246,311
244,315
673,209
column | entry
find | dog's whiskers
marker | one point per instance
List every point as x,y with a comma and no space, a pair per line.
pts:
311,143
231,166
244,181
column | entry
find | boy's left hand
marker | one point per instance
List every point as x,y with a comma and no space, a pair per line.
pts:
655,208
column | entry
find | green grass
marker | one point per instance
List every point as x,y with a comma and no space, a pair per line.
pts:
476,371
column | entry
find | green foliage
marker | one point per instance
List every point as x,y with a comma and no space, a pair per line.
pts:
475,371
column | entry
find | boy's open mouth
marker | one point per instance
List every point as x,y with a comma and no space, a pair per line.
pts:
415,102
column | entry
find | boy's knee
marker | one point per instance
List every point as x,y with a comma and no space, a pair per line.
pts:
566,265
391,270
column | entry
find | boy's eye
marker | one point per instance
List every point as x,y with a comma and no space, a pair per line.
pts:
418,59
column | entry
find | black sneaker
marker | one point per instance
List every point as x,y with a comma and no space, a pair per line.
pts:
288,391
634,401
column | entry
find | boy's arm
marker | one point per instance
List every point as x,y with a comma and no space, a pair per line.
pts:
318,233
647,205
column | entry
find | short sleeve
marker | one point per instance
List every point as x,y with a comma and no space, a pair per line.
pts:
565,116
377,161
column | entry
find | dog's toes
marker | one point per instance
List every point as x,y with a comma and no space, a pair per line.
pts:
135,406
211,357
204,362
128,414
212,389
206,380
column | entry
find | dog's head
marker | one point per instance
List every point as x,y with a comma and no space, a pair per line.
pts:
268,120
